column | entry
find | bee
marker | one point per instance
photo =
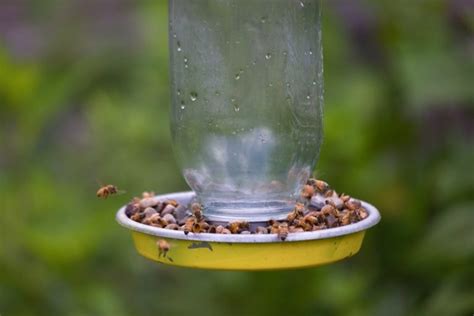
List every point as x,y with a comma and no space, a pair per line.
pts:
283,231
137,217
188,225
237,227
311,219
302,223
353,204
362,213
219,229
272,227
321,186
331,221
297,212
172,202
163,247
147,194
196,210
344,197
328,209
307,192
200,227
106,190
319,227
294,229
212,229
197,228
329,193
225,231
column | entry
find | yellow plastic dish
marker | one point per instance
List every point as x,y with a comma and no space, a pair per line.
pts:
248,252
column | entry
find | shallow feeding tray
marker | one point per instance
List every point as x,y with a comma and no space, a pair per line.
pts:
248,252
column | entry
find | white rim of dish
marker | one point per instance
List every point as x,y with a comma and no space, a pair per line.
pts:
185,197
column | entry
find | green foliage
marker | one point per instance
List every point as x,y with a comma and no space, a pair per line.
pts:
88,100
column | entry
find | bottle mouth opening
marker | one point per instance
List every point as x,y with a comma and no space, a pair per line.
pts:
250,211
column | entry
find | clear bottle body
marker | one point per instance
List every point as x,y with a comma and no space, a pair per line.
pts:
247,94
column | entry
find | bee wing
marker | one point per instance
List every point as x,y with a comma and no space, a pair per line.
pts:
120,192
99,182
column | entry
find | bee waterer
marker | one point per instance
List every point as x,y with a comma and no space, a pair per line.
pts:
247,127
247,252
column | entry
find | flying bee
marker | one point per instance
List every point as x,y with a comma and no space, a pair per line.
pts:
106,190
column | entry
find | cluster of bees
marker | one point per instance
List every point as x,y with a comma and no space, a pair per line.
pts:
319,208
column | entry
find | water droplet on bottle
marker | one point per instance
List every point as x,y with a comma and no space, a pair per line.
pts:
285,53
232,100
302,4
311,52
174,35
237,76
268,56
193,96
185,60
288,84
236,108
314,83
178,92
308,97
270,84
183,106
217,93
179,46
263,19
254,62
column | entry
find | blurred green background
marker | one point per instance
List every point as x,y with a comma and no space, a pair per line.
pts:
84,97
